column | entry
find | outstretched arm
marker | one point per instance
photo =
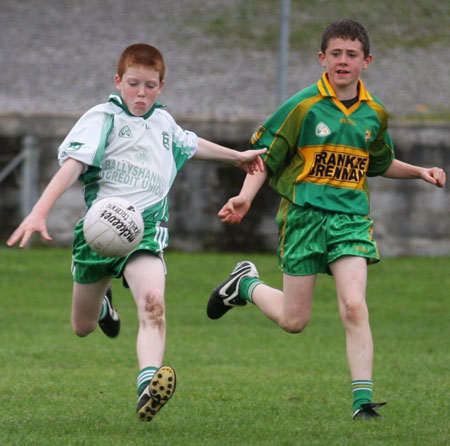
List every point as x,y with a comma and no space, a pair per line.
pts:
237,207
249,160
400,170
36,219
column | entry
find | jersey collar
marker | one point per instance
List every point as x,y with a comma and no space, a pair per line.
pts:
327,90
117,99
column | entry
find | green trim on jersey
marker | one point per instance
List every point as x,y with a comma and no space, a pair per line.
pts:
92,175
117,99
107,126
320,153
91,185
180,151
158,212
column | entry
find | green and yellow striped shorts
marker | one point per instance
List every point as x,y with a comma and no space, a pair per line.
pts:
309,239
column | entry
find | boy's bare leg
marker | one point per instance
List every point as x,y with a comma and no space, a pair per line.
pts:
86,305
350,275
145,275
290,308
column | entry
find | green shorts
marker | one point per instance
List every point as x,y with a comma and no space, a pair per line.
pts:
89,267
309,239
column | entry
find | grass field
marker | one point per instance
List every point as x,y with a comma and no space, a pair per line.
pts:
241,380
255,23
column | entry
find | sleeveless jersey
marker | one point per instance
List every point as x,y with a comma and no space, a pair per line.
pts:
134,157
320,153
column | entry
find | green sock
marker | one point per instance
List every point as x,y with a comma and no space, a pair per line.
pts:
144,377
362,393
247,286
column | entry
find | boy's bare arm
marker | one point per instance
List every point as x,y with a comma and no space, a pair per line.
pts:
36,219
400,170
249,160
237,207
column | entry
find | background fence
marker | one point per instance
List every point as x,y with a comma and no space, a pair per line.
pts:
411,217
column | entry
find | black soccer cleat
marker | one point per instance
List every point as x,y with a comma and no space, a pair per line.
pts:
367,411
226,295
110,324
156,394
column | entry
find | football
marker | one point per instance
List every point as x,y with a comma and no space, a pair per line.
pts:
113,227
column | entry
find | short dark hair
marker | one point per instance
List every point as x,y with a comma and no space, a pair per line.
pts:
346,29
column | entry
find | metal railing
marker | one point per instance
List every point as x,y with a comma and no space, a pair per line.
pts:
28,158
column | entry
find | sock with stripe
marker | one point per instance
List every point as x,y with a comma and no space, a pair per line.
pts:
362,393
144,378
246,287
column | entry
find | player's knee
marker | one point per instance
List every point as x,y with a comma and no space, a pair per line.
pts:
294,325
354,312
152,309
83,328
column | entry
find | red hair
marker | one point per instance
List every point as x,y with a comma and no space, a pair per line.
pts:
141,54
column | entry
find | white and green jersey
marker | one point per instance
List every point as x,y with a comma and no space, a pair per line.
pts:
134,157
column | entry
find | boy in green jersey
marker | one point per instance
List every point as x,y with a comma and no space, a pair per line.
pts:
128,147
322,144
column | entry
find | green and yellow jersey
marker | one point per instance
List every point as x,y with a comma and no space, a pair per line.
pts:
320,153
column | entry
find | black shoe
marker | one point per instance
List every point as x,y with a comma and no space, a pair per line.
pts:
110,324
156,394
367,411
226,295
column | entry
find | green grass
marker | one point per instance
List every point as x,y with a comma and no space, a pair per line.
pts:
254,24
241,380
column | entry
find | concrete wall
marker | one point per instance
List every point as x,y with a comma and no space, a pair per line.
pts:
411,217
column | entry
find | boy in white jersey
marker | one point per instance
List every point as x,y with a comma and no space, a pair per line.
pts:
128,147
